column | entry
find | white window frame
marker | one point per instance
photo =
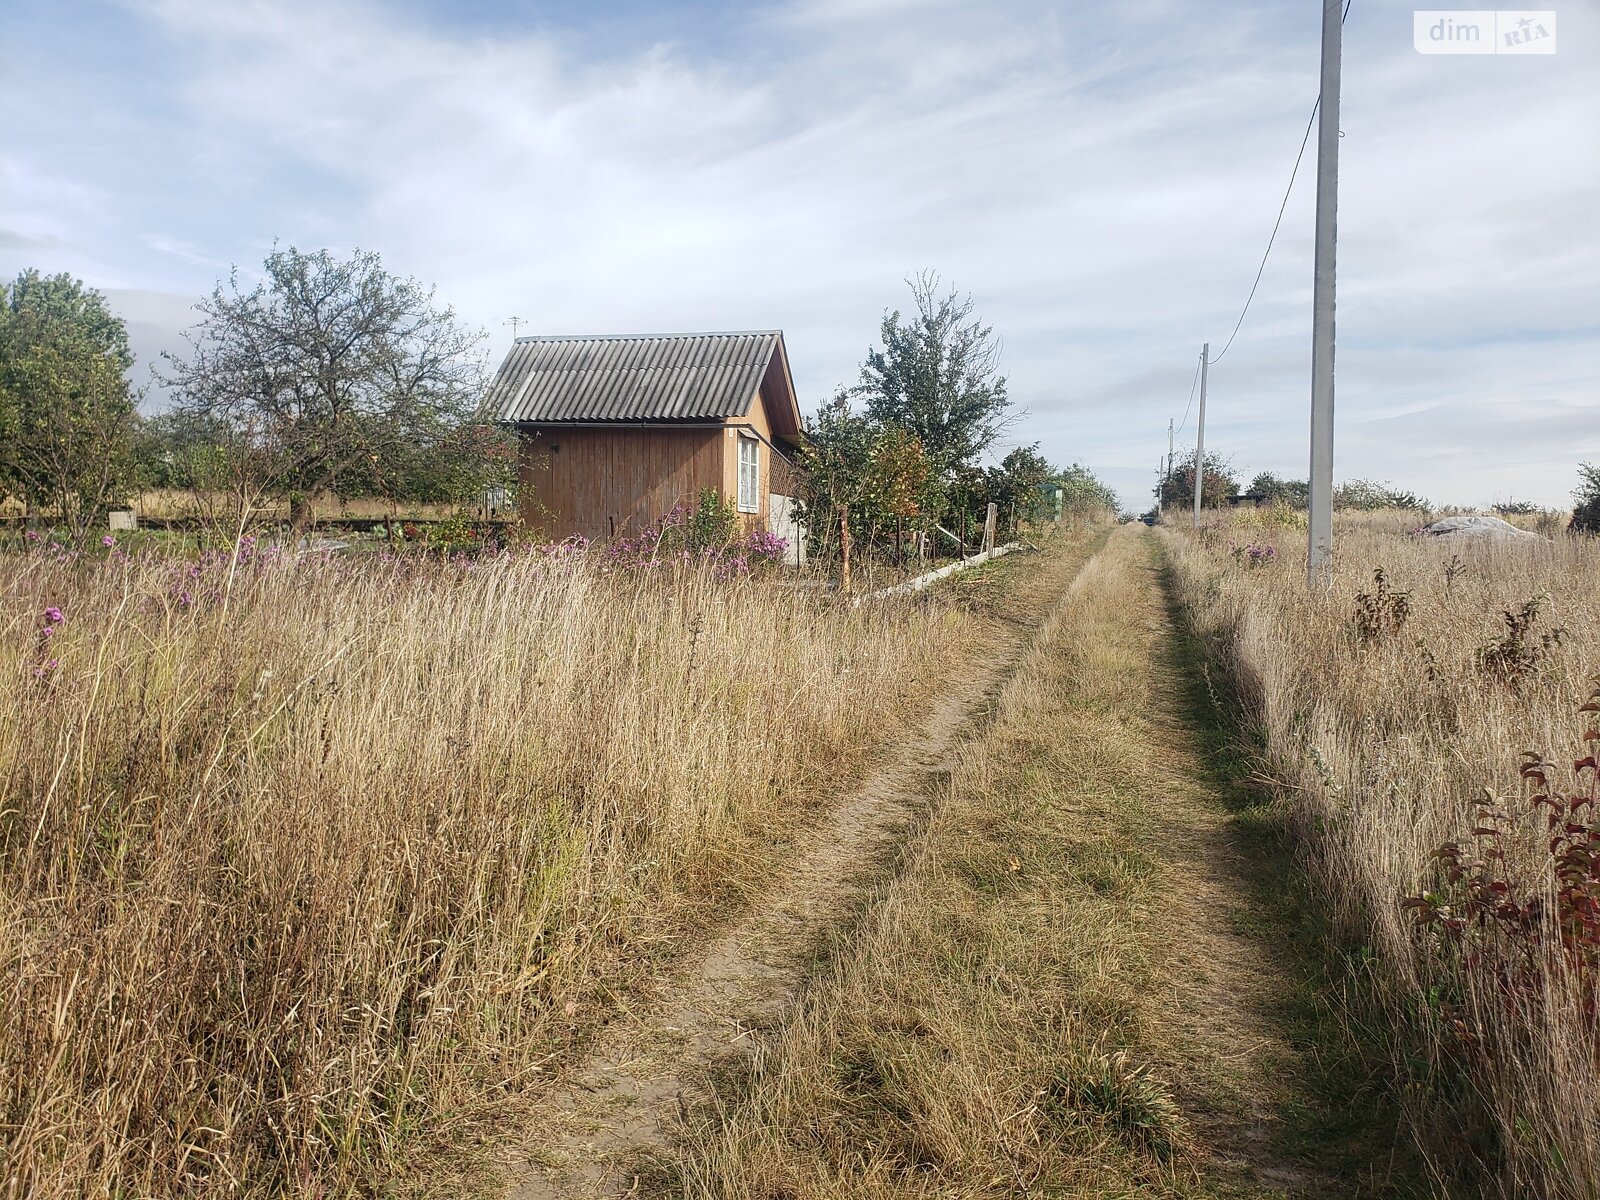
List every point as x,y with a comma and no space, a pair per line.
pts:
753,503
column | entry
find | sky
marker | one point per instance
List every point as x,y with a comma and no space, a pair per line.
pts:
1101,179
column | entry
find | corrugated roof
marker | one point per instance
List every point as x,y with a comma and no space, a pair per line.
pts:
627,378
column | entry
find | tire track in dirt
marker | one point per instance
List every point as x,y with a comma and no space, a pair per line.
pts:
622,1102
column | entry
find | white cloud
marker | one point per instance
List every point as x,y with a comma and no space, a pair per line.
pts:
153,319
1103,181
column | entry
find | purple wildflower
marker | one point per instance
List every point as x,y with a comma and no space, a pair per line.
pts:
1263,554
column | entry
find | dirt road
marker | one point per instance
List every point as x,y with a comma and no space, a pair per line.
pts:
620,1106
1047,949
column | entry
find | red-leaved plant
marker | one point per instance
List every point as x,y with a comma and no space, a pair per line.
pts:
1484,905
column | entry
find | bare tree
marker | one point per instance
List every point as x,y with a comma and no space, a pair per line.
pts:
331,375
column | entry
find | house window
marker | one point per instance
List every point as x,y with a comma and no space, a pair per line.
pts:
749,474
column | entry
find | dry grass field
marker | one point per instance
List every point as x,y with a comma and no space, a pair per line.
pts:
1078,985
606,1126
1396,717
305,868
332,878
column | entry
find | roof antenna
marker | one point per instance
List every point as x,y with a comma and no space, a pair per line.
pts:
514,322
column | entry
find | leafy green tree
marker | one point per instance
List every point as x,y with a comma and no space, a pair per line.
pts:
178,450
225,472
332,375
1292,493
834,458
876,469
1017,486
1219,482
1586,510
1024,488
1083,492
938,377
67,412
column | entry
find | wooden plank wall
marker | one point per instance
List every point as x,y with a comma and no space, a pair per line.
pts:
605,483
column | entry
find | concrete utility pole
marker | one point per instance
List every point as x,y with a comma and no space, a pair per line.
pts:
1200,442
1319,538
1166,474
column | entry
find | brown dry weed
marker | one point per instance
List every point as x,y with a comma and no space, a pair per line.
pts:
1385,742
306,871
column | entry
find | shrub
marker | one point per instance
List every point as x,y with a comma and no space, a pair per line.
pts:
1287,493
1381,612
1519,652
1586,511
456,535
1453,569
713,523
1369,495
1218,483
1082,492
1490,909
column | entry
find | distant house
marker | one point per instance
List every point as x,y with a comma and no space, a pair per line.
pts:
615,431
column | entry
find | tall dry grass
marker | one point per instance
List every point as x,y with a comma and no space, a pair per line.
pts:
964,1040
1386,744
303,866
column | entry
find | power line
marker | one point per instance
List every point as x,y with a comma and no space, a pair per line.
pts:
1305,140
1282,208
1186,407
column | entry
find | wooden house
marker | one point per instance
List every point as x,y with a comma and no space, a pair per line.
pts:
616,431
